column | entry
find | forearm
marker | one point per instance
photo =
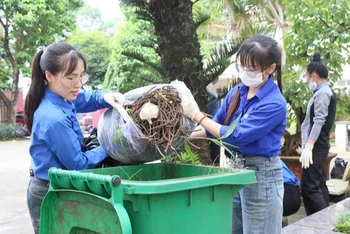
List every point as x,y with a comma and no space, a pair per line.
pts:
199,132
314,133
208,124
90,101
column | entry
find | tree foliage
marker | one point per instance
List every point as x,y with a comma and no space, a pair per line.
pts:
134,60
96,48
314,27
27,25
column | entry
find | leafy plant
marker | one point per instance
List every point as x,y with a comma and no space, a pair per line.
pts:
12,131
343,223
189,156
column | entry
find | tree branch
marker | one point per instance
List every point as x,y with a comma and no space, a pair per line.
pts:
274,13
269,17
6,41
233,22
324,22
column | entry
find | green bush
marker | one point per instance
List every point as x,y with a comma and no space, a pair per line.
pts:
12,131
343,223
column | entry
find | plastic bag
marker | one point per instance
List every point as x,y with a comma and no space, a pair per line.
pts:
338,168
91,142
124,141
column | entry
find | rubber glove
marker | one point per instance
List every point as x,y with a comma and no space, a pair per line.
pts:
306,156
114,99
190,108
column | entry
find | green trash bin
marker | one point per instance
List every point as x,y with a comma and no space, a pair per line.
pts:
162,198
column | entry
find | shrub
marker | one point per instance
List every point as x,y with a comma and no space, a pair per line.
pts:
12,131
343,223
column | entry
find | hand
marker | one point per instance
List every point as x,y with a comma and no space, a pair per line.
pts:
190,108
114,99
306,156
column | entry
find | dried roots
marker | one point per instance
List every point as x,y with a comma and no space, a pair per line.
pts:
168,125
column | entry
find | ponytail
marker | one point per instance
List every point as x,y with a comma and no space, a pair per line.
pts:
36,91
279,77
232,109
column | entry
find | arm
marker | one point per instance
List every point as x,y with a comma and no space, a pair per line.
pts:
64,143
206,123
321,104
90,101
211,127
198,132
98,99
258,124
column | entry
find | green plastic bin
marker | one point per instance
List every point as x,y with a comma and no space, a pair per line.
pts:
160,198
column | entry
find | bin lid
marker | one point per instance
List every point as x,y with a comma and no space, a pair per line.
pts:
72,211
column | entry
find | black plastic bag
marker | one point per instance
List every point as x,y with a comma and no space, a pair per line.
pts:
92,142
338,168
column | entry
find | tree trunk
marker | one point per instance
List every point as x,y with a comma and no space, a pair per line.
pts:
178,40
14,96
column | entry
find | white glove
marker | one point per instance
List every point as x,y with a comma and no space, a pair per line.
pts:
190,108
114,99
306,156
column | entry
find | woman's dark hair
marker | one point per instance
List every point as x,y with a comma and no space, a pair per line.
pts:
57,57
258,51
316,65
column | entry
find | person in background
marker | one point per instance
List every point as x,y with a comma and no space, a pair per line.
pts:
261,112
292,196
51,104
315,129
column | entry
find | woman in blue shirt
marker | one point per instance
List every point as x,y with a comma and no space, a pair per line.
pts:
53,99
260,109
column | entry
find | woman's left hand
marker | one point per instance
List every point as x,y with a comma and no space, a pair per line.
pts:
114,99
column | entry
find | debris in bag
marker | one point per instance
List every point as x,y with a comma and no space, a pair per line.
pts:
150,125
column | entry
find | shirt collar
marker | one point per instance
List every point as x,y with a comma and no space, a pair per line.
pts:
321,85
66,106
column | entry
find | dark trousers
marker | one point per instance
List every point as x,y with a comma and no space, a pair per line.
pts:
313,183
291,199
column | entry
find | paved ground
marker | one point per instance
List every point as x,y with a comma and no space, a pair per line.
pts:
14,174
14,165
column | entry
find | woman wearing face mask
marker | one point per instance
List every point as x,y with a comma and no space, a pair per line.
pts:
260,109
53,99
315,129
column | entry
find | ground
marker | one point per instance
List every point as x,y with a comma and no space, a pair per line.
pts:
14,173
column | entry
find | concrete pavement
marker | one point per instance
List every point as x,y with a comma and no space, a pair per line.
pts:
14,174
14,177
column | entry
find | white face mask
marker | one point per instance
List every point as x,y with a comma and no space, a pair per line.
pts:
252,79
313,85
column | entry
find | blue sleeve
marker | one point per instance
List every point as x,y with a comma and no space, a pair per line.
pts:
68,149
90,101
260,121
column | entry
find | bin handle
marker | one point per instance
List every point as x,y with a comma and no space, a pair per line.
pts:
101,185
